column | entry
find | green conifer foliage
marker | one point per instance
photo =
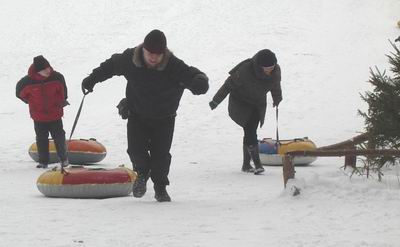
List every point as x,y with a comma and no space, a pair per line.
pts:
382,120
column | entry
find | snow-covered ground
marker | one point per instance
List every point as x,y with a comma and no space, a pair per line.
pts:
325,49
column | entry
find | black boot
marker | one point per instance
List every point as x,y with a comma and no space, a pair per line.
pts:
161,193
64,163
255,156
42,165
139,186
246,167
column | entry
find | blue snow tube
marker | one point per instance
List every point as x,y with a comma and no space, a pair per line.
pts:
267,147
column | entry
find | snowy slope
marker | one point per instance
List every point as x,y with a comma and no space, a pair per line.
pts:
325,49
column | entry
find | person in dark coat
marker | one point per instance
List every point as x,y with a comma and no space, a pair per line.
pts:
247,85
45,91
156,80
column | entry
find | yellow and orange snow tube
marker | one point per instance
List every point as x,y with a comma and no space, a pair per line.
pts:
272,154
80,151
80,182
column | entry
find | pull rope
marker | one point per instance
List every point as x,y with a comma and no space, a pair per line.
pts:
74,126
77,117
277,131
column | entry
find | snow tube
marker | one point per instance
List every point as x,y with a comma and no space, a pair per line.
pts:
272,154
80,182
80,151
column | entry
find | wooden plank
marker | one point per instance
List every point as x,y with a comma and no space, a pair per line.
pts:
288,169
348,143
344,152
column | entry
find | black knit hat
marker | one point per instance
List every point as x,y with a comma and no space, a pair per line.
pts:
40,63
155,42
266,58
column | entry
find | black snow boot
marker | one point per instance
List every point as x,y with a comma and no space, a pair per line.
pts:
139,186
42,165
161,193
64,163
246,167
255,156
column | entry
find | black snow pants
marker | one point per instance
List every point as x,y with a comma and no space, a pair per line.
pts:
149,143
250,129
57,132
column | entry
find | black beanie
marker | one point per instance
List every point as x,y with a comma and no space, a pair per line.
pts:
40,63
155,42
266,58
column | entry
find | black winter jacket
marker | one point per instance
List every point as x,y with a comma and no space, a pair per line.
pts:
152,92
248,86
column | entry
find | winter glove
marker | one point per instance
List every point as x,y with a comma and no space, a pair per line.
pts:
397,40
87,85
198,84
123,110
213,104
276,104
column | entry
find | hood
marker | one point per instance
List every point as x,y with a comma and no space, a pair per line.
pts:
258,69
35,75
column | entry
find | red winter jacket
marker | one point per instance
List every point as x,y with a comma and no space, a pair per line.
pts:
45,96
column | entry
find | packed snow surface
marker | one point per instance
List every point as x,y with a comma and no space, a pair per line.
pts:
325,49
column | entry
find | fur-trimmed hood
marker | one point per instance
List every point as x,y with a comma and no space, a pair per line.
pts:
138,59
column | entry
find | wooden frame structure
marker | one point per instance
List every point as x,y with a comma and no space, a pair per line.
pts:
346,149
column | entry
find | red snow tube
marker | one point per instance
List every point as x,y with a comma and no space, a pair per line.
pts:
80,151
80,182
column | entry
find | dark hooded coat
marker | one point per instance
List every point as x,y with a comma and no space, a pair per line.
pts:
247,87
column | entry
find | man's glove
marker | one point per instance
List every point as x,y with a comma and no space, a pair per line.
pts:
197,85
276,104
123,110
213,104
87,85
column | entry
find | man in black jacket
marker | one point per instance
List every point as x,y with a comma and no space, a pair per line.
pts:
156,80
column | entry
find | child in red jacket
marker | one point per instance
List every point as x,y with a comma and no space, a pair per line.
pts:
46,93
